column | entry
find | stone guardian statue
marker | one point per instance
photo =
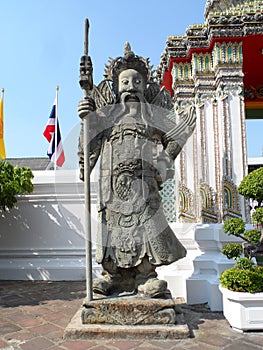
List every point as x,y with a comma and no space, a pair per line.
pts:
135,137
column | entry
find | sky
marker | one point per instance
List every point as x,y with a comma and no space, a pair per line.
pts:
41,46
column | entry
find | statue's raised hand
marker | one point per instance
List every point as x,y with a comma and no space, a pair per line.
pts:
190,117
183,129
86,106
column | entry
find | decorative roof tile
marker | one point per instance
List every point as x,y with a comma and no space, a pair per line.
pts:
232,7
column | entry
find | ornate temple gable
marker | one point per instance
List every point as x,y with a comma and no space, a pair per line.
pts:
239,18
208,204
186,204
182,72
228,53
232,7
224,20
202,63
231,206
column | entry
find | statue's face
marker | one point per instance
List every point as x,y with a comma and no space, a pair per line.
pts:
131,81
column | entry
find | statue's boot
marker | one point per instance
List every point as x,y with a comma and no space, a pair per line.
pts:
154,288
114,283
102,286
108,283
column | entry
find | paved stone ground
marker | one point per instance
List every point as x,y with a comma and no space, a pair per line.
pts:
33,316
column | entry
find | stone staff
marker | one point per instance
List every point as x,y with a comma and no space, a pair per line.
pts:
86,83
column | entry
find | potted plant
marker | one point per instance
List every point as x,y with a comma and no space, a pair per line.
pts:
242,290
251,187
242,285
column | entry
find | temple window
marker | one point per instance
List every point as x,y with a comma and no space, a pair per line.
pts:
228,202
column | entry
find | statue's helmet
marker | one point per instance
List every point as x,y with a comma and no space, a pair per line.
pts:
128,61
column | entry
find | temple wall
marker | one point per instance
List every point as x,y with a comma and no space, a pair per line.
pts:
214,160
42,238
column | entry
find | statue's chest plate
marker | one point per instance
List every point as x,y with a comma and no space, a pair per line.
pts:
130,142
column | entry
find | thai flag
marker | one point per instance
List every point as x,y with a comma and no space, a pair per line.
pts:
52,134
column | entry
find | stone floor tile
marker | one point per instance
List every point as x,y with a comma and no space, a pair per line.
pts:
213,339
124,345
198,346
9,328
150,347
44,329
56,336
78,345
243,346
31,322
38,343
169,344
256,339
62,322
102,347
55,314
3,344
20,336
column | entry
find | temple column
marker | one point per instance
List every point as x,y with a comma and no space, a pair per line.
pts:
231,126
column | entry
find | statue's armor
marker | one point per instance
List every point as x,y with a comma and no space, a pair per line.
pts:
130,116
132,221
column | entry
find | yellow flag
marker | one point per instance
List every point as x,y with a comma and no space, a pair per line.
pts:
2,144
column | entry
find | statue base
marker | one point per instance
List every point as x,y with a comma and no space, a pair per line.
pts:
128,318
129,311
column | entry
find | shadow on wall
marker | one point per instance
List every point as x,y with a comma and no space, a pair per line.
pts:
30,226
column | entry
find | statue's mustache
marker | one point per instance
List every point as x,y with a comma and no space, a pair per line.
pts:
122,107
131,97
125,101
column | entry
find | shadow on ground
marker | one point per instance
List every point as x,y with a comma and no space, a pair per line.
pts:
30,293
19,293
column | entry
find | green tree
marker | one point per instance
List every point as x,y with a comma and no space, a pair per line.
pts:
257,216
13,181
245,276
236,227
252,186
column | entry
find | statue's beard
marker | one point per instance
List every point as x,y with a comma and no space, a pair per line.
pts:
131,101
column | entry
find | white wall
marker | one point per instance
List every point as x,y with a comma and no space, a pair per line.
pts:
42,238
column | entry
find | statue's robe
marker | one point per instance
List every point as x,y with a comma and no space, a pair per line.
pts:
131,220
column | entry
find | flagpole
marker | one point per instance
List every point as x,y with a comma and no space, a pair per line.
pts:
56,128
2,96
2,151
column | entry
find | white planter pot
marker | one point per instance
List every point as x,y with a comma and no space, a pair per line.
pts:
244,311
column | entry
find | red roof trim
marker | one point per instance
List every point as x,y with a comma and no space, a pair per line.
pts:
252,46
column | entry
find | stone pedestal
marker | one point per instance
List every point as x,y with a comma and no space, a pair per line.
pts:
128,318
129,311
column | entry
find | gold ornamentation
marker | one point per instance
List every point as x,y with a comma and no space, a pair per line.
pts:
259,91
231,207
